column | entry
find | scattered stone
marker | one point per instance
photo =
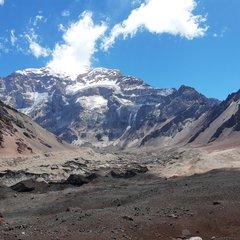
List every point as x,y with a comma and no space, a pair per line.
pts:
73,209
54,167
186,233
68,210
41,180
173,216
127,218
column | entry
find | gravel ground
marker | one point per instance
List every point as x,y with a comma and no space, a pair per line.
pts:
141,207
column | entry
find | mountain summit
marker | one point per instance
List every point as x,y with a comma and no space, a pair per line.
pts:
104,107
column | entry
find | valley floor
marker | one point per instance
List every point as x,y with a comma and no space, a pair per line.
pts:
143,207
147,205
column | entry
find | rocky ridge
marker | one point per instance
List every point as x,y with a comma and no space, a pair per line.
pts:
20,135
221,123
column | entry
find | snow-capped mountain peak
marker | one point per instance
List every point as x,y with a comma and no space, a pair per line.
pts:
101,106
45,71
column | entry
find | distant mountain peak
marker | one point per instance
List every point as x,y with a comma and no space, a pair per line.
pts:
184,88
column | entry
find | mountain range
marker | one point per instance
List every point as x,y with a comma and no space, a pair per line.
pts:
103,107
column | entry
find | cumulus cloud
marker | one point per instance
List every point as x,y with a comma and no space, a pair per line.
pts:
1,2
174,17
34,47
38,51
79,45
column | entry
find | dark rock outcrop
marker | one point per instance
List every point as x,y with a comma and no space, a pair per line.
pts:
77,180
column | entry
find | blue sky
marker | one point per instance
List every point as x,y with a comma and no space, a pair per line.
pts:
167,43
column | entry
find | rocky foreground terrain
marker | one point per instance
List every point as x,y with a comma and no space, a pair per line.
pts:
85,194
204,206
56,191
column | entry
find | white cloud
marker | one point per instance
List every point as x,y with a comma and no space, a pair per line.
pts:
61,28
160,16
38,51
80,43
83,38
135,2
3,45
65,13
34,47
38,18
13,38
1,2
221,33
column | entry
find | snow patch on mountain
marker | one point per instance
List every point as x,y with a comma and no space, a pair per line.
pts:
80,86
39,99
166,92
92,102
123,101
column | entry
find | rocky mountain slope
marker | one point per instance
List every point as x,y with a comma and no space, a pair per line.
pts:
221,124
20,135
104,107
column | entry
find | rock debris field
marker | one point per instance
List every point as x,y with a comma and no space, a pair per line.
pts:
129,204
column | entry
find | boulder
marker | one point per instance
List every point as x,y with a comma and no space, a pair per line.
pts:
138,169
23,187
30,185
131,171
77,180
126,174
